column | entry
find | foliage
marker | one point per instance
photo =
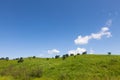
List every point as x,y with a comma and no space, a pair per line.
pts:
84,53
71,54
109,53
57,56
20,60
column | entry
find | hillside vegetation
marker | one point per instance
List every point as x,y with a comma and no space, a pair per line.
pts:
80,67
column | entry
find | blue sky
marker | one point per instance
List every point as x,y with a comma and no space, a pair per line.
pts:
49,27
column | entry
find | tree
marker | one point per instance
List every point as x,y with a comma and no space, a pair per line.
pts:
20,60
78,53
109,53
34,57
7,58
84,53
47,58
57,56
64,56
71,54
2,58
67,55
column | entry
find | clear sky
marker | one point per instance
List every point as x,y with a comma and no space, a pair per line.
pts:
49,27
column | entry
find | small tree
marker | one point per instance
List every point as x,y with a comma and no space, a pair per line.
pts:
47,58
16,58
34,57
67,55
63,57
71,54
84,53
57,56
7,58
20,60
2,58
109,53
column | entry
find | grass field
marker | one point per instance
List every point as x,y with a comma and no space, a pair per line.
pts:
80,67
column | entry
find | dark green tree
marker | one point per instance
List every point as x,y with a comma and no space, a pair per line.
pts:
2,58
63,57
34,57
7,58
78,53
84,53
109,53
71,54
20,60
57,56
67,55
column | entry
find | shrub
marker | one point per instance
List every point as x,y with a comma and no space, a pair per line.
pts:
17,59
63,57
34,57
7,58
20,60
2,58
57,56
109,53
78,53
84,53
71,54
67,55
47,58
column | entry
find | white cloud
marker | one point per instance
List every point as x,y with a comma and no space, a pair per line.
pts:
103,32
82,40
53,51
104,29
78,50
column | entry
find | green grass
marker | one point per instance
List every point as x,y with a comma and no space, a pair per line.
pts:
81,67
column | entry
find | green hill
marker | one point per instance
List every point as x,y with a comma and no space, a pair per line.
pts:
80,67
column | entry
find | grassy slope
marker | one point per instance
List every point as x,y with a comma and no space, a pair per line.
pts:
82,67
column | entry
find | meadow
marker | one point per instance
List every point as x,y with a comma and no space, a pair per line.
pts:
79,67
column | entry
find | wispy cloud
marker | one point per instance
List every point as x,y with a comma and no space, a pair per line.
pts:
103,32
78,50
115,14
92,51
53,51
108,23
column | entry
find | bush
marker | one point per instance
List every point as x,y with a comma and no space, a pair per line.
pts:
84,53
78,53
67,55
109,53
57,56
2,58
63,57
7,58
47,58
20,60
16,59
34,57
71,54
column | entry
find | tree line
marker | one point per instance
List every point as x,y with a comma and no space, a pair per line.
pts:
21,59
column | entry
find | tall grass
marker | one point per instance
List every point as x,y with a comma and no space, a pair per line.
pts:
81,67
